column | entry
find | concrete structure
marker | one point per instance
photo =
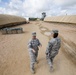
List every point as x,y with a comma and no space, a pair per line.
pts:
12,30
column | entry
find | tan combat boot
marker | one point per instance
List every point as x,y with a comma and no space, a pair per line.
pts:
32,70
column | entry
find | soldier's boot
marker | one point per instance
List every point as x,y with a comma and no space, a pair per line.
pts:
51,69
51,66
32,70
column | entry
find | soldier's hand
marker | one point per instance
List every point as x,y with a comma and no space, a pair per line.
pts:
34,51
40,46
46,53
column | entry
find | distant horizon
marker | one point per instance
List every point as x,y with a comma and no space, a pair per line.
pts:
37,17
34,8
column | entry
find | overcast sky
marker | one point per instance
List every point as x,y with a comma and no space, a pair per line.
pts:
34,8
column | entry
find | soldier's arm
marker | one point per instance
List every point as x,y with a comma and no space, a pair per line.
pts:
49,47
30,45
39,44
59,43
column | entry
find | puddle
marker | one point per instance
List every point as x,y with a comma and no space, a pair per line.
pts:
47,33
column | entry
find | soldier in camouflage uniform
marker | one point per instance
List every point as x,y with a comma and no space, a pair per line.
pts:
33,46
53,48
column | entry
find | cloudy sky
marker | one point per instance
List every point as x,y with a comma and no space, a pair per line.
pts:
34,8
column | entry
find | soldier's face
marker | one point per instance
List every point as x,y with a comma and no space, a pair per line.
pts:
52,34
34,37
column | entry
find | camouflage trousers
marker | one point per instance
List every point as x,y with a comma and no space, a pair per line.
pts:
33,58
50,60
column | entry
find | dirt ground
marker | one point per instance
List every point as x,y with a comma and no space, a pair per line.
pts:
14,56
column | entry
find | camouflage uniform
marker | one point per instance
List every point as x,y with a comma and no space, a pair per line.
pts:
52,49
33,44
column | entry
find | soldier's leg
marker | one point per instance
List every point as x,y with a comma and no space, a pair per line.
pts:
49,60
36,57
36,54
32,62
51,66
52,59
32,67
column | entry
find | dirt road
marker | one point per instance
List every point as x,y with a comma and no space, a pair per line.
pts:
14,56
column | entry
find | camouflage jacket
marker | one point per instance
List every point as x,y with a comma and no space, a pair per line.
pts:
33,44
53,46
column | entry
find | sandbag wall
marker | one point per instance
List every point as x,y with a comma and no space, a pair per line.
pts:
62,19
10,20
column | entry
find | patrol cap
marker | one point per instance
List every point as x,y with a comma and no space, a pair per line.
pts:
33,33
54,31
